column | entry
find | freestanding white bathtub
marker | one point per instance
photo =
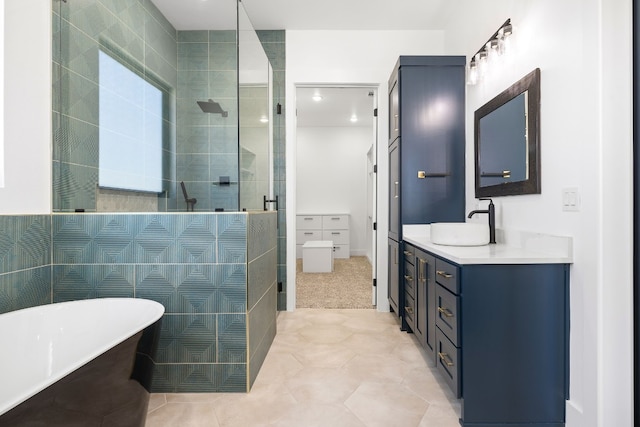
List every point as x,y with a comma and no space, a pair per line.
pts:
79,363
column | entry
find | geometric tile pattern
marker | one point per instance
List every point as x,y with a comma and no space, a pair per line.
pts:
26,288
136,33
193,264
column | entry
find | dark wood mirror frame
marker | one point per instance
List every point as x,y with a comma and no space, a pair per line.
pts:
530,83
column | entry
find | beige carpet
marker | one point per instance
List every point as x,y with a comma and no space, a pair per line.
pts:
348,286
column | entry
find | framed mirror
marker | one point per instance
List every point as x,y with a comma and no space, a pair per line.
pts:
507,141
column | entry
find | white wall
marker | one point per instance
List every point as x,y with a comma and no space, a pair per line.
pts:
331,176
348,57
583,50
27,88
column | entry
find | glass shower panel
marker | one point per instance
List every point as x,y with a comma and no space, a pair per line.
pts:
255,121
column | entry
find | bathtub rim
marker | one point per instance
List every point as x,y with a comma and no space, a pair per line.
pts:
24,392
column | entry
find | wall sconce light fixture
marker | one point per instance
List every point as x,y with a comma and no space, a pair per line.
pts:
497,45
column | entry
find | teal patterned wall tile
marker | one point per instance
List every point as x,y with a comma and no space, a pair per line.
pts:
262,275
188,288
192,167
223,56
72,238
26,288
80,98
78,281
196,239
90,16
165,69
193,139
159,17
74,187
76,141
223,140
33,243
219,36
259,353
193,56
55,33
187,339
271,36
79,52
193,85
232,338
193,36
130,12
230,283
222,84
261,233
113,239
163,42
199,378
261,318
155,239
232,238
276,54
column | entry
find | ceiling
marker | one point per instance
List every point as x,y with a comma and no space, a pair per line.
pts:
338,104
306,14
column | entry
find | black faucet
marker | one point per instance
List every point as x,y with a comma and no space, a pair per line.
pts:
491,210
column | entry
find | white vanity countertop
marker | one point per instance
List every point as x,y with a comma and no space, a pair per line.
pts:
514,247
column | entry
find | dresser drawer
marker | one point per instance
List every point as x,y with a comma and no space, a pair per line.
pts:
335,222
338,237
447,313
409,278
447,275
448,362
303,236
308,222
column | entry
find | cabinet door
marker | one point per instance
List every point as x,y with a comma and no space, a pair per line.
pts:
425,302
394,111
394,275
394,190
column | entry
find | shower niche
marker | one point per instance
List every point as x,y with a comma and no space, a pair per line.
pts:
171,106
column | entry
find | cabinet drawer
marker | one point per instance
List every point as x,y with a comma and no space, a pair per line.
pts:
410,279
335,222
447,275
409,310
409,253
308,222
303,236
338,237
448,362
447,313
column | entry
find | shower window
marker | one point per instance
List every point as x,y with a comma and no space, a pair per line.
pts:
130,115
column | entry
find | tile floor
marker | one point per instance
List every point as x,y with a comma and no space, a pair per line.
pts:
336,368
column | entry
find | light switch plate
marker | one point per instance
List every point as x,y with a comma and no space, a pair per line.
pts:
571,199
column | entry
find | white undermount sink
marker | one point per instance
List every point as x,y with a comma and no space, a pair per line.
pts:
459,233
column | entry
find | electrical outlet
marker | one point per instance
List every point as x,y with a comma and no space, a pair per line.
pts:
571,199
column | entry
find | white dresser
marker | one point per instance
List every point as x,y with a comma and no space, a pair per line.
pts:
334,227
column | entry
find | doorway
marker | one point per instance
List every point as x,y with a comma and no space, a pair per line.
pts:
336,185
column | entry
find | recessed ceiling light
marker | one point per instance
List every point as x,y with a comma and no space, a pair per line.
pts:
264,119
317,97
354,118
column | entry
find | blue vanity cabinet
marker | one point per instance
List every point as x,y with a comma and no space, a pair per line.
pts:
426,145
394,275
502,341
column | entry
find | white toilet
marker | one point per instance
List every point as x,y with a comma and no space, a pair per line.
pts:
317,256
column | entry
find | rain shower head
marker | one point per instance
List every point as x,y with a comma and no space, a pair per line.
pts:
212,107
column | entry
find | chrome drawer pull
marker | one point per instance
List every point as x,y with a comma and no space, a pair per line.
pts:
335,219
308,219
408,310
335,233
445,311
308,233
444,274
444,357
407,253
408,278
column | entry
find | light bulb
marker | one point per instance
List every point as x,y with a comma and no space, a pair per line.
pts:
473,73
317,97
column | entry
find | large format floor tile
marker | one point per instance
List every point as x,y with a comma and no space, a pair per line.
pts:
351,368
